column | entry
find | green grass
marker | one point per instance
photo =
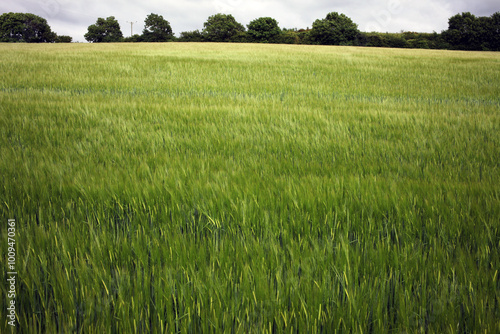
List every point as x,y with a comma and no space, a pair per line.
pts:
199,188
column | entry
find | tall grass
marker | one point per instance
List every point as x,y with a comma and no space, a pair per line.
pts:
251,188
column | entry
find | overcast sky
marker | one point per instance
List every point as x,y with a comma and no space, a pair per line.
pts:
72,17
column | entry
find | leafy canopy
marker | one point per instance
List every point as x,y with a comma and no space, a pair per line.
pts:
221,28
156,29
264,29
27,28
335,29
468,32
104,31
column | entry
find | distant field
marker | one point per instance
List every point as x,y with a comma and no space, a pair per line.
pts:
226,188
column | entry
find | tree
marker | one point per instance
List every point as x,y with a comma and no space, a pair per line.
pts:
27,28
191,36
488,30
136,38
305,36
104,31
264,30
156,29
63,39
221,28
396,41
468,32
289,36
335,29
494,33
462,31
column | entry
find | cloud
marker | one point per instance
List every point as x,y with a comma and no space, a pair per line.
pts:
72,17
397,14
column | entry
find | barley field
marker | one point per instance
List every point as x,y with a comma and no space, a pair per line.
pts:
227,188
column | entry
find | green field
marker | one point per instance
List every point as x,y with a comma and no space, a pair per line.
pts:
228,188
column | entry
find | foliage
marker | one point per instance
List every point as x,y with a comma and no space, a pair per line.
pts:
494,32
28,28
221,28
406,39
136,38
425,40
463,31
240,37
63,39
375,40
468,32
386,40
264,30
191,36
104,31
305,36
289,37
251,189
335,29
156,29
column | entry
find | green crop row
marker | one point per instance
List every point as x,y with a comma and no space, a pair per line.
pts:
234,188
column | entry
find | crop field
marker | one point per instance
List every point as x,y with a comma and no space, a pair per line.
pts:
239,188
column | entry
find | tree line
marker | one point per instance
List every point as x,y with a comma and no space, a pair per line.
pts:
28,28
465,32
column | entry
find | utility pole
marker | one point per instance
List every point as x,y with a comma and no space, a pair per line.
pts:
131,29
